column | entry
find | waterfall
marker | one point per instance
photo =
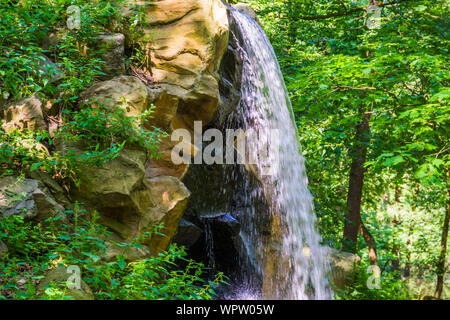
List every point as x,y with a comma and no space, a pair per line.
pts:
279,239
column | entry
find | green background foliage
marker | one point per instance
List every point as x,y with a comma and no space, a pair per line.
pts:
333,64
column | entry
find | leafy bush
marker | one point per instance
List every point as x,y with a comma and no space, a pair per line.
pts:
391,287
105,132
111,126
24,29
34,249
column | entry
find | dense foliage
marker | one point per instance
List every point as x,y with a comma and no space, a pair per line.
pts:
32,32
34,249
339,70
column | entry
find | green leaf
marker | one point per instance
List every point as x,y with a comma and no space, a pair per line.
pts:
35,166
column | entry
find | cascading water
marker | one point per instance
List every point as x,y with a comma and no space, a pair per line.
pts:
280,241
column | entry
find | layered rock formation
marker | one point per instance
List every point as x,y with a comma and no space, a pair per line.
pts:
124,92
24,114
184,42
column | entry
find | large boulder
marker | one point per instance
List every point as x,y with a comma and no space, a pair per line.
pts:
188,234
24,114
129,200
60,275
124,91
128,203
28,198
116,190
343,267
114,183
185,41
58,193
170,196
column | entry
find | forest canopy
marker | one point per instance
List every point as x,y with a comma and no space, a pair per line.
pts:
371,98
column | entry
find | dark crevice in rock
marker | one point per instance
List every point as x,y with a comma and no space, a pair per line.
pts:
184,51
173,21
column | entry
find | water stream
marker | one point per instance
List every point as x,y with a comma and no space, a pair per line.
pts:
280,243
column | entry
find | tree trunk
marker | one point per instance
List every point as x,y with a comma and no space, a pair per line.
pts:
355,187
441,263
371,244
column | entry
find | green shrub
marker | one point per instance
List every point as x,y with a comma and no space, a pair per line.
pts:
24,28
391,287
105,132
101,125
33,249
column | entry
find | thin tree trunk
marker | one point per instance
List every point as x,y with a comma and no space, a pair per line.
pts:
398,193
441,263
355,187
371,244
407,271
396,252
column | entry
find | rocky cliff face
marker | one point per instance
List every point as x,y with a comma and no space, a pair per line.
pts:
194,55
184,42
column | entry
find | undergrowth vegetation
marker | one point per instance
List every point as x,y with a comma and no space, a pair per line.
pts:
33,33
34,249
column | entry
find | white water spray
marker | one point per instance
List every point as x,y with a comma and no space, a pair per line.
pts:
288,255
